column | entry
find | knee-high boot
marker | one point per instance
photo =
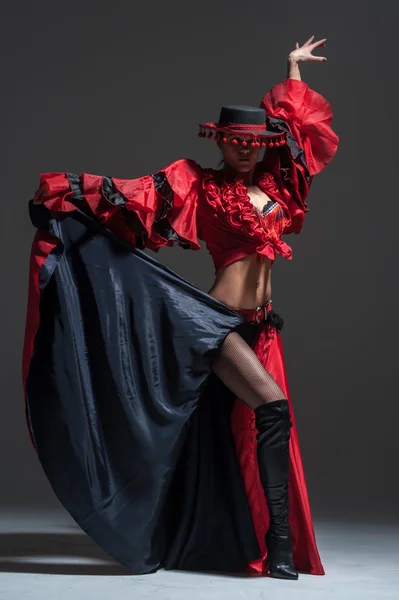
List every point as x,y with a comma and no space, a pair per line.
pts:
273,424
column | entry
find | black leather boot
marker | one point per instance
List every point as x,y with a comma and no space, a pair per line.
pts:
273,424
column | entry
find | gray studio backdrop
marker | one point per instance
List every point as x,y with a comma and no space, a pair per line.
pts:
118,88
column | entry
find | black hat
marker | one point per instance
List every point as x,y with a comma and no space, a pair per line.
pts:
241,120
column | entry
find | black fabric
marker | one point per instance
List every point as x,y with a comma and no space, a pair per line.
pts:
130,424
242,114
275,320
273,423
279,125
161,223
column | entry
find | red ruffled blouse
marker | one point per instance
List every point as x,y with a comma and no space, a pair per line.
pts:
184,202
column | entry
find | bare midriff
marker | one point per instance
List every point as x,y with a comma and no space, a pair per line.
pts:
245,283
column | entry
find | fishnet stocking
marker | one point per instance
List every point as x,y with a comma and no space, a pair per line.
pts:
238,367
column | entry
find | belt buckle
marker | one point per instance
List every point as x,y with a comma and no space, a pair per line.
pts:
258,308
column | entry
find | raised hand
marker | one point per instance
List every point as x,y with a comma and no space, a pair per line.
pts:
304,53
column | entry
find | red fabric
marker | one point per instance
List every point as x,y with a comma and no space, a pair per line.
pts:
268,349
141,197
293,187
231,226
309,117
228,223
184,176
43,244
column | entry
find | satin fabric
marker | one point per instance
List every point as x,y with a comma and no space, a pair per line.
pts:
121,356
309,116
267,345
137,436
131,426
184,202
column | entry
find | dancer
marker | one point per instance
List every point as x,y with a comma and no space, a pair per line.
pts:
161,413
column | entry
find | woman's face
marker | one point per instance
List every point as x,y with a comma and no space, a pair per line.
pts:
238,157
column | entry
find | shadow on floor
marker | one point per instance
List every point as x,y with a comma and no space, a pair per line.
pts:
69,554
55,554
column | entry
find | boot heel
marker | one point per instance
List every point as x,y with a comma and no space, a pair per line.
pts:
279,556
273,424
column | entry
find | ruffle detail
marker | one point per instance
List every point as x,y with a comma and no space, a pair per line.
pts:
305,117
150,211
228,197
308,115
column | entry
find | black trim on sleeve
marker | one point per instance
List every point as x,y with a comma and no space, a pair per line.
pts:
161,223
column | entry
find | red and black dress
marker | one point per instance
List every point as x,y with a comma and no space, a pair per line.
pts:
145,447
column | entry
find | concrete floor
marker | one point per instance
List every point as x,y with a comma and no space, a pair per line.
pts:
43,555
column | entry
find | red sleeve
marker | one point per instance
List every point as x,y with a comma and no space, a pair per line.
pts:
308,116
155,210
151,211
305,116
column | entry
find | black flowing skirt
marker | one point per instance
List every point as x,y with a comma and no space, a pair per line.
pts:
130,423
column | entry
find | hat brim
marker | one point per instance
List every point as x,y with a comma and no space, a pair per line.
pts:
218,127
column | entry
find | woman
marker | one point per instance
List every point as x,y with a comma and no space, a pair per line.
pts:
160,413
